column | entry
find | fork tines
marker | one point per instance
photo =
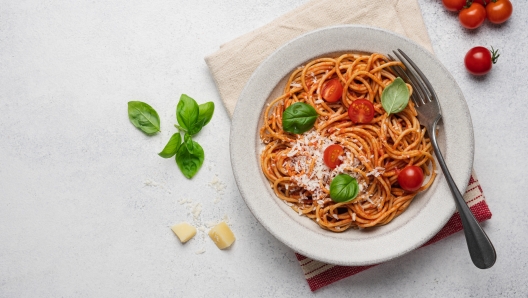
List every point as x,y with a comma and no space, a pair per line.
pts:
414,76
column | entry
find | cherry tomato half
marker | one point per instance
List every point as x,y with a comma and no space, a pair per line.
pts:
454,5
473,16
332,90
361,111
479,60
411,178
499,11
331,155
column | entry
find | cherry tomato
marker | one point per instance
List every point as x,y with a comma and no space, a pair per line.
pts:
361,111
411,178
331,155
332,90
454,5
479,60
499,11
473,16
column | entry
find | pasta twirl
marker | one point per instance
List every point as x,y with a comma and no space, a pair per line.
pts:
374,152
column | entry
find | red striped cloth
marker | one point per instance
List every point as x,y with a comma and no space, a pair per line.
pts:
319,274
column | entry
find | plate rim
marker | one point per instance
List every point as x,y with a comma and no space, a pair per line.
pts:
240,168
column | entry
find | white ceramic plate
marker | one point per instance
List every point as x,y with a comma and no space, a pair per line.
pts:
429,211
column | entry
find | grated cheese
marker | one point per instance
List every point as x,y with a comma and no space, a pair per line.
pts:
197,210
295,85
376,171
309,149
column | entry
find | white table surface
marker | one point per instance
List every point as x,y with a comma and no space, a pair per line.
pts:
86,202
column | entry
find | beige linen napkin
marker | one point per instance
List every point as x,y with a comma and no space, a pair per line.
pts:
233,64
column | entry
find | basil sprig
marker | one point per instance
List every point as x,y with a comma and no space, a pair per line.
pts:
343,188
395,96
299,118
144,117
191,118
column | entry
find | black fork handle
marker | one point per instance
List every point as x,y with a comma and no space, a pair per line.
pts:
480,247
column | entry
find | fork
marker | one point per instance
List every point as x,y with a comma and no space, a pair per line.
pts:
426,102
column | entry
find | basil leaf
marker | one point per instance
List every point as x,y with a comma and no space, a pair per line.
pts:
188,142
205,114
172,146
187,112
343,188
189,163
144,117
298,118
395,96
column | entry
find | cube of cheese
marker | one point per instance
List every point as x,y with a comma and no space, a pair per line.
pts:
184,231
222,235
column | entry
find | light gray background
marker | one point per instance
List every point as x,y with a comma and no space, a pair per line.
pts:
86,203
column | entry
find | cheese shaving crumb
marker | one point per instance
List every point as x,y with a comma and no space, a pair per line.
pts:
376,171
295,85
288,203
197,210
217,185
151,183
184,201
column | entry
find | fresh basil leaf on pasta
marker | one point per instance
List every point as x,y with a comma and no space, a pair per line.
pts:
144,117
189,163
395,96
299,118
343,188
172,146
187,112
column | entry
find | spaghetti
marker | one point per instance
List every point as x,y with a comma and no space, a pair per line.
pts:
374,152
